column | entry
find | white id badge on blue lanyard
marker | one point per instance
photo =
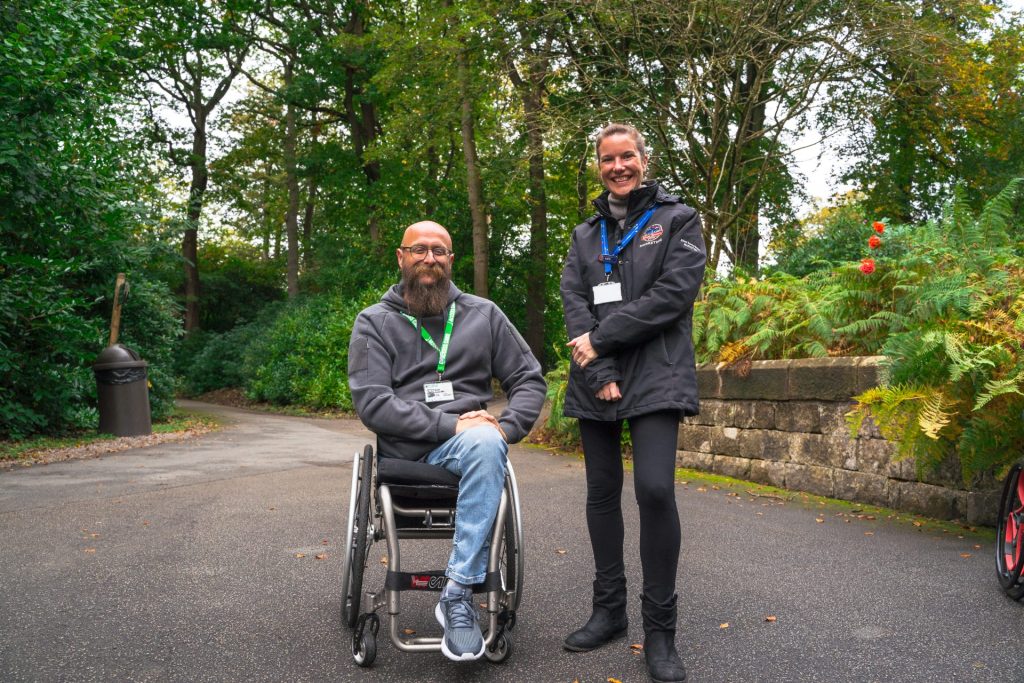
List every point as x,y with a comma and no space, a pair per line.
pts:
607,292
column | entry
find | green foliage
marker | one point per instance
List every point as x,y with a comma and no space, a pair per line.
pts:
558,429
67,211
302,356
946,312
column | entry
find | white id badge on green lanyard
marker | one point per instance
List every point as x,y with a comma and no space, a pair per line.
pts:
607,292
438,391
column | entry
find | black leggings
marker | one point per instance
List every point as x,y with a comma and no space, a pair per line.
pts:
654,460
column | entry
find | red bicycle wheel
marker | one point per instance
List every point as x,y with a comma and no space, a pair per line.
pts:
1010,535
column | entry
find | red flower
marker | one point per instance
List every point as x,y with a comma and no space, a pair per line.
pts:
867,266
874,242
879,227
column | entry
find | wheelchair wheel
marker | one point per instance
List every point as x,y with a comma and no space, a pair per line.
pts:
500,650
511,564
1010,535
356,539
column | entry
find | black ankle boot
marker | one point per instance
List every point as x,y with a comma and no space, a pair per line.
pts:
603,627
663,662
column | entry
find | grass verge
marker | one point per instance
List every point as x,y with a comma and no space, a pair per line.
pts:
179,421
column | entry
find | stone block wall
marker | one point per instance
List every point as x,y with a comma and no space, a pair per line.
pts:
783,423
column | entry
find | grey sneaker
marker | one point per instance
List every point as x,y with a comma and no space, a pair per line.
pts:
462,640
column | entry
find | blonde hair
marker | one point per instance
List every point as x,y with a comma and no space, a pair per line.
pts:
620,129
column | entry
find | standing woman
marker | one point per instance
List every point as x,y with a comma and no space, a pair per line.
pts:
628,287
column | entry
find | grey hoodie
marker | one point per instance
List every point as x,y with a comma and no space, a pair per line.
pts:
389,362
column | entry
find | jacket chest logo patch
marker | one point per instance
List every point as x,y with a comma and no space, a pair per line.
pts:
652,235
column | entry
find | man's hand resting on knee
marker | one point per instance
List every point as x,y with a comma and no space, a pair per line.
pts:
478,418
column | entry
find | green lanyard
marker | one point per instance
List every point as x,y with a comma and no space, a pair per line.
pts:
442,353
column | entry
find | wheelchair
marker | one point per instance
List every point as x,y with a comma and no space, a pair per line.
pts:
394,499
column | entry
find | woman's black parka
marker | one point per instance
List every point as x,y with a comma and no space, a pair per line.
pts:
644,342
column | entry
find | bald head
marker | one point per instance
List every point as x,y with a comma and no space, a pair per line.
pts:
428,233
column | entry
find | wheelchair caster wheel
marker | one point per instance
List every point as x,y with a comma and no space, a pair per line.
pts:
364,640
500,649
367,650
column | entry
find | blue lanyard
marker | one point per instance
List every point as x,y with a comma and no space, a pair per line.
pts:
611,259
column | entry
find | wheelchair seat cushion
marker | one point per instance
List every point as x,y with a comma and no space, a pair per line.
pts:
411,472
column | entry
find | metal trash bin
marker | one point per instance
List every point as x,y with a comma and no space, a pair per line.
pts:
123,390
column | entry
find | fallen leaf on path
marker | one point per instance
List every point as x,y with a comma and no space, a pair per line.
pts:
614,680
145,522
701,489
869,533
918,523
320,556
637,648
965,554
771,618
561,551
977,547
409,631
89,550
300,555
384,560
325,542
715,488
819,520
725,625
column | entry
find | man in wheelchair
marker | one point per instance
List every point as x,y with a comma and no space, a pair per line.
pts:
421,362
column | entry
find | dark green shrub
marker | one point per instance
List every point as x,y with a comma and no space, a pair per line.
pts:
302,356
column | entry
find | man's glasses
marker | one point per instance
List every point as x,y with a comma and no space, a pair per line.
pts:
421,250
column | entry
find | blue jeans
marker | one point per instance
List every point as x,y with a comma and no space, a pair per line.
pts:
478,456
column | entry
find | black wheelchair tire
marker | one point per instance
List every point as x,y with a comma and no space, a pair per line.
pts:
359,546
1011,524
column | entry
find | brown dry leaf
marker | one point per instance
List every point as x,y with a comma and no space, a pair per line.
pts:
325,542
320,556
614,680
145,522
300,555
869,533
760,514
409,631
94,535
819,520
977,547
918,523
271,508
965,554
771,618
89,550
384,560
869,516
701,489
561,551
715,488
725,625
637,648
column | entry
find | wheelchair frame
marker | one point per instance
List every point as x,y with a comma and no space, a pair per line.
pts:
419,509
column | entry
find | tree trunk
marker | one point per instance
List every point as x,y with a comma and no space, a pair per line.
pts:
473,183
190,241
362,122
582,205
312,185
291,218
536,279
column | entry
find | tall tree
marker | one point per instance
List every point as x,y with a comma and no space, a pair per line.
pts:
190,51
528,61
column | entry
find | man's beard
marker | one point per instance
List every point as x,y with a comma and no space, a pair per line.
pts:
425,299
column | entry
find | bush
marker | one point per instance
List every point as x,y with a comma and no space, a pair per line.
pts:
302,356
946,308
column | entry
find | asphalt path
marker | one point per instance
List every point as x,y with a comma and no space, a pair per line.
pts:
180,562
